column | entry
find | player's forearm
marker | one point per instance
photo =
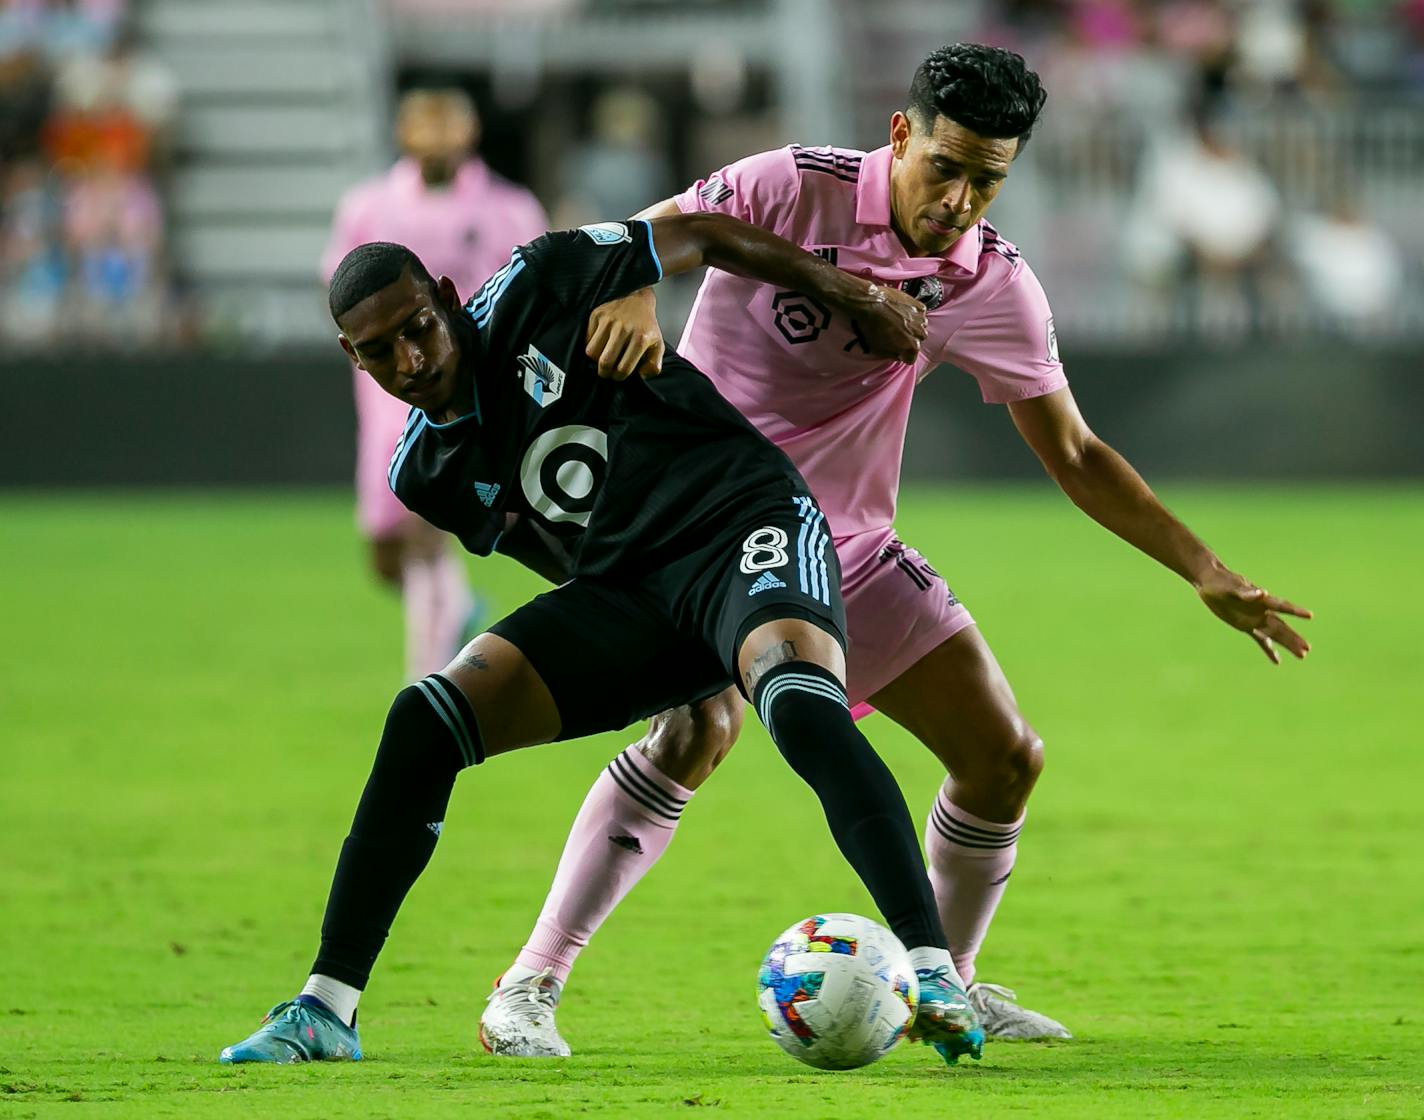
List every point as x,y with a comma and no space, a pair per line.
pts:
667,208
688,241
1104,485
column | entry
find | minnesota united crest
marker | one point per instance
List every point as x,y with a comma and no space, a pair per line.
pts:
543,380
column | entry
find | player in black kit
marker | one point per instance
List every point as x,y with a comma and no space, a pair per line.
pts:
697,555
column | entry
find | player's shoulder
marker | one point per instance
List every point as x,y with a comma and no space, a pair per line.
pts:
992,241
826,165
513,273
401,476
1000,261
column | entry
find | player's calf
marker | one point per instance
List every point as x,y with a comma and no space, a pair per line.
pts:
804,707
430,735
793,671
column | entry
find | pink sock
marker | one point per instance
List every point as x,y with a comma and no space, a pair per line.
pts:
626,823
435,593
970,860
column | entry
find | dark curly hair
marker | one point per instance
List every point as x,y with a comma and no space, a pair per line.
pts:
987,90
367,269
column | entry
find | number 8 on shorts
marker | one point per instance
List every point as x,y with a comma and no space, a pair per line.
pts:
763,550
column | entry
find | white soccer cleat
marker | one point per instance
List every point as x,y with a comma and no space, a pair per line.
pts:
1003,1018
519,1019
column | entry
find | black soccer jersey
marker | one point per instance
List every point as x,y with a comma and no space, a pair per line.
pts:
627,475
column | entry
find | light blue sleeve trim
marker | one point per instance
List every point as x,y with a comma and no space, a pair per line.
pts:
404,451
652,249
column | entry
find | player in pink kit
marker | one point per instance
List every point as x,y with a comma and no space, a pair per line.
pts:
463,220
910,214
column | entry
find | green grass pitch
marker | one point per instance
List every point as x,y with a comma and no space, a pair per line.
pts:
1219,886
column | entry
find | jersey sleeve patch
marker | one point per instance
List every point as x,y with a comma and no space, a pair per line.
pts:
608,233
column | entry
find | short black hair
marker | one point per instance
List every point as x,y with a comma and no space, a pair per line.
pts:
987,90
367,269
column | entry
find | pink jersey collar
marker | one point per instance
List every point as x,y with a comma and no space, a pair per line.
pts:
471,176
872,208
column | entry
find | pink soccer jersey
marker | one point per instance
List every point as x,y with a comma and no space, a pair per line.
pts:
465,231
802,375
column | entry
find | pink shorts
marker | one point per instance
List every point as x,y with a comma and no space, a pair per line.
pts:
380,419
898,608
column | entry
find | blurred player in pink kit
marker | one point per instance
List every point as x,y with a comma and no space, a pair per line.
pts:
463,220
910,215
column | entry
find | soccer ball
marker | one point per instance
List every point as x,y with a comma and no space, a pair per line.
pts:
837,991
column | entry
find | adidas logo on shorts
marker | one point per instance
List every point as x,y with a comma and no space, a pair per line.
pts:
487,492
765,582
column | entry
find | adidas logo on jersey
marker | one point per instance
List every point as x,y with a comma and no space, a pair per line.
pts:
765,582
487,492
436,827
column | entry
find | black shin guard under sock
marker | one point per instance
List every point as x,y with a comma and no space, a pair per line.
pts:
430,736
804,708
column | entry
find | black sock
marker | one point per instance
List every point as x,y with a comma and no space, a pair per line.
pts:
430,736
805,709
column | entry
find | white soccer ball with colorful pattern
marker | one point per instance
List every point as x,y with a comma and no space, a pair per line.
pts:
837,991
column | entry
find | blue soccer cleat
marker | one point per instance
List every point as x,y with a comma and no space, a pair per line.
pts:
946,1019
297,1031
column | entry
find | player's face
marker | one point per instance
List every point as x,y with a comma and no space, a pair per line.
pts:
437,130
403,337
942,180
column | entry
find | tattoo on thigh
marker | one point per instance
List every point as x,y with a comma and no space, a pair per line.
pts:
473,659
773,657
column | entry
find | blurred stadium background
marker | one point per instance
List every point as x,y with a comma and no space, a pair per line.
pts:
1222,201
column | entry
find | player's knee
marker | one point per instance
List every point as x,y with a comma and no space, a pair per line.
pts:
689,742
718,723
387,557
1018,762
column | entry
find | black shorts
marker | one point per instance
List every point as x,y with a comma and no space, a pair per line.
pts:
615,651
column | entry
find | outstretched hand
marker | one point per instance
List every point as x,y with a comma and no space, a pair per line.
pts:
624,337
1241,604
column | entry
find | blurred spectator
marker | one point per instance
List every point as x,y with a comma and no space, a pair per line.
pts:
1352,269
25,89
60,27
113,230
620,166
124,91
1203,222
33,269
463,221
84,228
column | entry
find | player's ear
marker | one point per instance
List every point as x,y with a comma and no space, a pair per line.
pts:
899,134
445,290
350,350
